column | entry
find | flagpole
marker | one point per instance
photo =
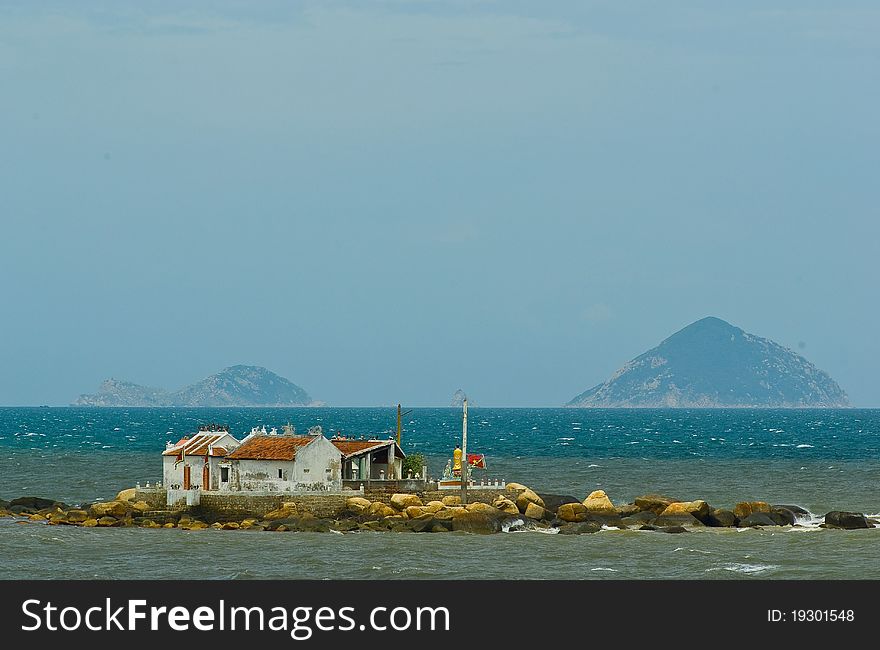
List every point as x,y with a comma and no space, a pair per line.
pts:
464,460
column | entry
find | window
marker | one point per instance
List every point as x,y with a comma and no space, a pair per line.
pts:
280,473
224,475
306,470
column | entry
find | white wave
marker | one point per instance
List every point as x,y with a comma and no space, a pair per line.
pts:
804,447
603,568
747,569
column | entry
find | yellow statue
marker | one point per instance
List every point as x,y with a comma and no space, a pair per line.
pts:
456,462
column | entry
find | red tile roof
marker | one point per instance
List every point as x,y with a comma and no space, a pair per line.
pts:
198,445
270,448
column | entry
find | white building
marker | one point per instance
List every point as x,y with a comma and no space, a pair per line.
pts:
198,460
285,463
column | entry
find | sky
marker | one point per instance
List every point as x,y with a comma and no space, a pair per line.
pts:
387,201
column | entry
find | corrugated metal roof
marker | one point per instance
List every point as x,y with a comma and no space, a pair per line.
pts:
351,448
198,445
270,448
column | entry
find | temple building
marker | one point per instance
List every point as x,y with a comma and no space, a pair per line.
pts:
370,460
198,460
213,460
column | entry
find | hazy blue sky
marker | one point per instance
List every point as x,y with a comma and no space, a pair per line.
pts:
388,201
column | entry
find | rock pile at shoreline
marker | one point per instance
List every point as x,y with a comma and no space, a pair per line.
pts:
520,509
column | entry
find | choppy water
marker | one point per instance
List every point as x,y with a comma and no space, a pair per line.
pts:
817,459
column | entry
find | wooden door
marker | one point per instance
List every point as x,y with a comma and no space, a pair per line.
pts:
186,477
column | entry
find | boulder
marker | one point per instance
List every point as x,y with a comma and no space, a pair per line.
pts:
451,500
127,495
580,528
721,518
357,504
450,513
344,526
422,524
231,525
476,522
312,525
656,503
415,511
526,497
787,515
506,505
699,509
641,518
846,520
90,523
378,509
477,506
745,508
32,503
77,516
140,506
58,518
628,510
599,502
37,517
534,511
282,525
515,487
170,524
394,519
572,512
797,510
217,525
686,520
106,522
673,529
404,501
757,519
553,501
149,523
109,509
434,506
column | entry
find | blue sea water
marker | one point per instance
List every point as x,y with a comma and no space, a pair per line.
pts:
819,459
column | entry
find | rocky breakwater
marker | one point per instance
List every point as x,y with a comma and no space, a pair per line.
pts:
520,508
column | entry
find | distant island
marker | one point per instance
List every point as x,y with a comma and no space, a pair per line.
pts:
713,364
233,386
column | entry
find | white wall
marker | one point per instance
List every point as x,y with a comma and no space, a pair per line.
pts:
309,472
172,475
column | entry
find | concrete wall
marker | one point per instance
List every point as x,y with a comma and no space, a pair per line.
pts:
239,505
484,496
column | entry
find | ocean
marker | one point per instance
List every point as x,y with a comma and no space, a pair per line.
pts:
818,459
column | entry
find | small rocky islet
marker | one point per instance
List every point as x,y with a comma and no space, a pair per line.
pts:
520,508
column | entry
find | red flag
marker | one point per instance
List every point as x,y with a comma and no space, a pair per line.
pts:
477,461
